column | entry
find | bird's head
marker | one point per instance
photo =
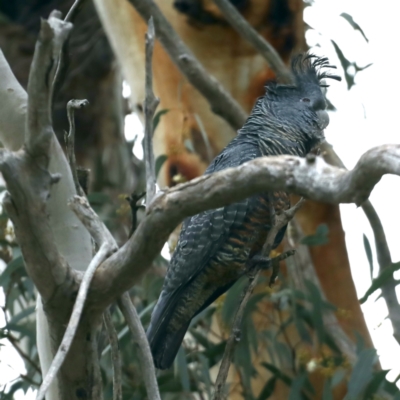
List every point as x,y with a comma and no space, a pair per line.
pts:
301,107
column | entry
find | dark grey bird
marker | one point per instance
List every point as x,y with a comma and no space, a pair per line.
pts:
215,247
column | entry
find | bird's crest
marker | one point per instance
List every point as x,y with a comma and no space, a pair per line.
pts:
309,68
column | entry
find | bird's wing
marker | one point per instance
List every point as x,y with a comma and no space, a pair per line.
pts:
201,237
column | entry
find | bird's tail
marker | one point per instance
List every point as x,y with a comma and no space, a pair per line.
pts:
164,346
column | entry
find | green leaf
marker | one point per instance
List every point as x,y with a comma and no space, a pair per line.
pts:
380,281
11,268
319,238
268,389
231,302
317,315
23,314
327,392
375,383
205,372
156,119
361,374
297,386
354,24
98,198
346,64
338,377
368,252
160,162
278,373
182,369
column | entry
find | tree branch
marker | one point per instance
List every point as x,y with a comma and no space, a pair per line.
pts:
70,141
381,246
139,336
384,261
13,103
102,235
280,221
39,129
150,104
115,356
82,209
220,100
310,177
239,23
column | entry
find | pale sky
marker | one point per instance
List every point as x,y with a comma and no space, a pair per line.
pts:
365,117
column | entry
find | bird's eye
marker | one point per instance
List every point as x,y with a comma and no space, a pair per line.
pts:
305,100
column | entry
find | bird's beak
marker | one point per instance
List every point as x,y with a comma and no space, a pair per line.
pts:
323,119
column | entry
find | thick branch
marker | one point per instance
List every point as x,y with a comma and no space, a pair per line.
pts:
257,41
220,100
311,178
150,104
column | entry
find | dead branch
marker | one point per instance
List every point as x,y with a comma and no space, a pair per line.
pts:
39,129
115,356
311,178
220,100
150,104
239,23
139,336
280,221
70,140
381,246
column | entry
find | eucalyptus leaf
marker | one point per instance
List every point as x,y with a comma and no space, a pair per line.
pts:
380,280
157,117
361,374
368,252
319,238
354,24
159,163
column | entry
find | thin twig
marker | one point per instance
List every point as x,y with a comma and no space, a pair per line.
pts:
139,336
73,11
280,221
150,104
220,100
381,246
62,62
70,140
115,356
25,356
257,41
